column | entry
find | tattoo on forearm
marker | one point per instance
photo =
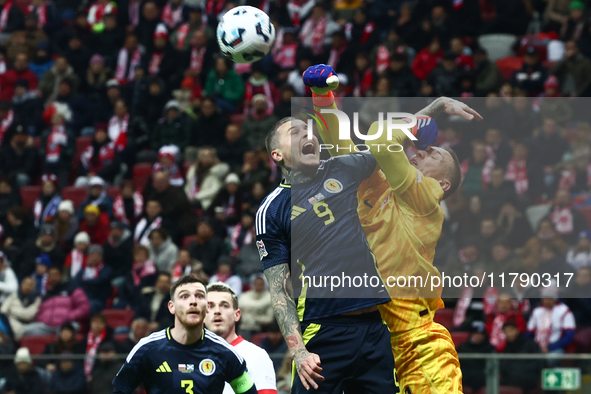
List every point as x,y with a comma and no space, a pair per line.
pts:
434,109
284,306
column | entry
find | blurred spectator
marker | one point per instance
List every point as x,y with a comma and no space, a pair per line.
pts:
9,197
516,372
469,219
304,59
552,261
152,220
402,81
232,149
105,367
253,170
552,324
95,279
128,59
153,103
205,178
97,12
256,126
27,105
117,251
340,56
68,377
274,343
173,200
163,251
487,77
532,75
573,71
498,191
446,76
568,222
119,124
523,172
44,244
503,259
579,301
100,334
163,60
153,305
26,379
182,266
42,264
259,84
46,206
227,204
21,307
147,24
19,72
579,256
66,224
547,234
427,59
513,225
100,158
97,196
210,126
139,330
225,85
186,35
173,128
473,375
317,29
167,155
224,274
58,145
573,26
66,343
143,274
495,321
62,303
96,76
18,230
255,305
49,84
76,259
207,248
96,224
128,206
361,32
18,158
473,169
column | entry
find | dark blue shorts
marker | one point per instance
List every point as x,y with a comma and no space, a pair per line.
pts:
355,355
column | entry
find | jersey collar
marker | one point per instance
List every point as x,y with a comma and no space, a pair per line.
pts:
180,345
237,340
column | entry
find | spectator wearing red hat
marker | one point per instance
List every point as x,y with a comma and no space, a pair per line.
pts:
167,162
99,159
96,224
46,206
163,60
19,71
97,11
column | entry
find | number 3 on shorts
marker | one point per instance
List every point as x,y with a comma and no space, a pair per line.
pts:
188,384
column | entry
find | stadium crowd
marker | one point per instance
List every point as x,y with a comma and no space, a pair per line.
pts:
132,152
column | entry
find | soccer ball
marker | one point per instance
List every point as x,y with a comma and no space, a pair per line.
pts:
245,34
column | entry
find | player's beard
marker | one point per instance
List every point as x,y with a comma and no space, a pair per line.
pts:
193,323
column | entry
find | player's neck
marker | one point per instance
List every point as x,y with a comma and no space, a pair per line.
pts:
186,336
232,336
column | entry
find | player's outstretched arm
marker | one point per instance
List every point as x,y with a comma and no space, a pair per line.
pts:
284,307
322,80
450,107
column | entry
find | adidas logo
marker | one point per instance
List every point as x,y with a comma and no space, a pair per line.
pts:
296,211
164,368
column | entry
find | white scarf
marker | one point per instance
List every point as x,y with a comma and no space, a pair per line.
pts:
143,230
124,71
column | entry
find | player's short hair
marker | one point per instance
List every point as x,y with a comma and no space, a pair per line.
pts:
185,280
454,174
221,287
270,139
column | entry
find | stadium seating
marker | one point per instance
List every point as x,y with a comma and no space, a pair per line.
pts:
444,317
188,239
257,339
141,173
36,344
113,191
508,65
497,45
459,337
121,337
237,119
118,317
510,390
75,194
29,194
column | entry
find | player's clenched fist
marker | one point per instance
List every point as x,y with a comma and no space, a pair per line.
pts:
321,79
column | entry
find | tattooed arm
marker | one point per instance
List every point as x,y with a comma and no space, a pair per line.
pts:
450,107
284,307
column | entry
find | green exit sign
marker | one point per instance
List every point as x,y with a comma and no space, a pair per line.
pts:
561,379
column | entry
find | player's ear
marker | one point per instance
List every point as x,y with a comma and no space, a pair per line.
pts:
276,155
171,307
445,184
237,315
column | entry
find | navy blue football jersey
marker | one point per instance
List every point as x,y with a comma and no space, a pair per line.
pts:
314,227
165,366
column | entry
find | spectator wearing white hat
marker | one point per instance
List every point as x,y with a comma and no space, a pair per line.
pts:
27,379
76,259
97,195
258,123
8,280
66,224
552,324
227,204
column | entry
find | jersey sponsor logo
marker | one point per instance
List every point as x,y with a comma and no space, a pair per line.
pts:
262,249
296,211
186,368
164,368
207,367
331,185
316,198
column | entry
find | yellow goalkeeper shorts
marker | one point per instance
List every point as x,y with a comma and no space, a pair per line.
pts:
426,361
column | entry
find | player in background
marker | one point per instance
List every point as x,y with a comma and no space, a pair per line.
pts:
338,343
399,208
185,358
221,319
